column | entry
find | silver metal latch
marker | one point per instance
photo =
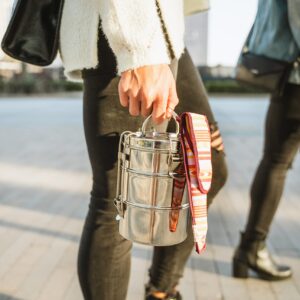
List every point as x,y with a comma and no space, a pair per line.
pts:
120,207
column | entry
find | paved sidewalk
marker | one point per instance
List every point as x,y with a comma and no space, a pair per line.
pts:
45,181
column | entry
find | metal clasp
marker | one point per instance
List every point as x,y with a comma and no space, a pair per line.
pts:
174,159
120,205
118,201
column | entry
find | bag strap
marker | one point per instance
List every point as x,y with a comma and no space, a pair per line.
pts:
177,196
196,147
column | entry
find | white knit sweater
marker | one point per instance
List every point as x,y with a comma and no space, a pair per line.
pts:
133,29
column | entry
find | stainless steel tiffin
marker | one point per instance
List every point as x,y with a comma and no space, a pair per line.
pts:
150,169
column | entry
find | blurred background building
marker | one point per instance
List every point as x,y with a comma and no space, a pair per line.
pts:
196,37
8,66
5,11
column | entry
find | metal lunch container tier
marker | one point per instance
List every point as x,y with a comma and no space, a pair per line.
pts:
148,164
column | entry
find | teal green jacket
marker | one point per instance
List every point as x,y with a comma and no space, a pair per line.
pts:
276,32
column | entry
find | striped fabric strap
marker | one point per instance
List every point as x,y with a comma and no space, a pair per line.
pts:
196,147
177,195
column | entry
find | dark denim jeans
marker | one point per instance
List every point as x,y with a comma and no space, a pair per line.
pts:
282,141
104,255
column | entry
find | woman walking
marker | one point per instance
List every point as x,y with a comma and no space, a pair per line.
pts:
275,35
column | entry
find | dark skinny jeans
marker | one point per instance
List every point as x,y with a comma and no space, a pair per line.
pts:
104,255
282,141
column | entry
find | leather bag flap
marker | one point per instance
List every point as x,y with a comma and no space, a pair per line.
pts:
261,65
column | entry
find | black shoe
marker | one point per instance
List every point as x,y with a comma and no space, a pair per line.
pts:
254,255
149,296
176,296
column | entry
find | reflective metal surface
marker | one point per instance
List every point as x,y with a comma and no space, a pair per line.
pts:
148,161
151,226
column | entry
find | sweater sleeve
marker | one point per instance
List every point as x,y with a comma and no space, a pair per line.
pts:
134,32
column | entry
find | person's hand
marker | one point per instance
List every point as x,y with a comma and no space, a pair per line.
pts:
149,89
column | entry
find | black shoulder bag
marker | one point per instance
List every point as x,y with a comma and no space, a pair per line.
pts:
32,35
263,72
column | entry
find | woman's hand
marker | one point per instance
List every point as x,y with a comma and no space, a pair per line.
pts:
149,89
